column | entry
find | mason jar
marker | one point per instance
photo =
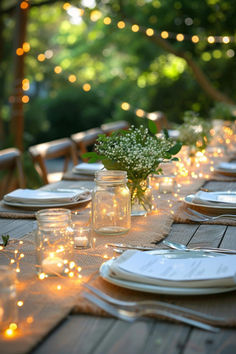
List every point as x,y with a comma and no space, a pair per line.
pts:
111,203
54,241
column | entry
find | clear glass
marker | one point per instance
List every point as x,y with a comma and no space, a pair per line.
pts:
141,197
111,203
54,241
8,307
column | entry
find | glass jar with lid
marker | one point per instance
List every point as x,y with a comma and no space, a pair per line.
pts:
54,241
111,203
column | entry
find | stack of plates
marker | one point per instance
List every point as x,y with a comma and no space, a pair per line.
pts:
88,168
38,198
226,168
216,201
127,271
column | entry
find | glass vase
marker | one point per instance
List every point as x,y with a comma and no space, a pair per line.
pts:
141,197
111,203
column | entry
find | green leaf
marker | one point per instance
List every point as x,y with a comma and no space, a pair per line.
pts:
175,159
93,159
175,149
89,154
5,239
152,127
166,133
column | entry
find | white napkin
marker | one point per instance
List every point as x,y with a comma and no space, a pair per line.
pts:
216,199
37,196
227,166
219,271
88,168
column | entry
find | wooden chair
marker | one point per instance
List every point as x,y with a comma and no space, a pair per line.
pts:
51,150
12,171
85,139
159,118
109,128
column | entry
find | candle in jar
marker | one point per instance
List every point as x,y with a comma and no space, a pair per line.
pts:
82,237
166,185
52,265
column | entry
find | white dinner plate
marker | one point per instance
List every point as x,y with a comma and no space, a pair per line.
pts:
217,207
104,273
35,206
226,172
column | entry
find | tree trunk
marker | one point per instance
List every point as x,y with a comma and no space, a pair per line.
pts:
17,114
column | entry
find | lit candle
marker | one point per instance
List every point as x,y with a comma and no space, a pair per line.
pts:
166,185
52,265
82,237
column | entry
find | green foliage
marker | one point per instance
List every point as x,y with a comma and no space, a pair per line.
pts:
5,239
223,111
195,131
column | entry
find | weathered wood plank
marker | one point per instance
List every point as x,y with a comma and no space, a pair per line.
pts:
208,235
17,228
182,232
77,334
223,342
229,240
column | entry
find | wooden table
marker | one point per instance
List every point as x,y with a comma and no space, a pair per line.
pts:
89,334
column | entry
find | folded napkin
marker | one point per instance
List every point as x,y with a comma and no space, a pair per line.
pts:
215,198
227,166
183,271
37,196
88,168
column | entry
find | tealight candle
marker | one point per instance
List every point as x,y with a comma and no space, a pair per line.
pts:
166,184
52,265
82,237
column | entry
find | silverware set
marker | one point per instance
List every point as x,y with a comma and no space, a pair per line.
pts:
131,311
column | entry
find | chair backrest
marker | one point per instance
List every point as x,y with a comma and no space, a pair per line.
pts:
50,150
85,139
12,169
159,118
111,127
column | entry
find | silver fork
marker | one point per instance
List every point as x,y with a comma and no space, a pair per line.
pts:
151,304
133,315
196,216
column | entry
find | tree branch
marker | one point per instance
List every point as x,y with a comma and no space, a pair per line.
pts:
199,75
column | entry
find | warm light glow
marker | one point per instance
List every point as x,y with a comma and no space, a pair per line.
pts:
13,326
24,5
58,69
121,24
107,21
149,32
58,287
26,47
72,78
30,319
180,37
19,51
211,39
125,106
1,248
140,113
79,269
135,28
95,15
226,39
195,39
71,274
9,332
20,303
164,34
42,276
86,87
25,99
41,57
17,270
66,6
71,265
